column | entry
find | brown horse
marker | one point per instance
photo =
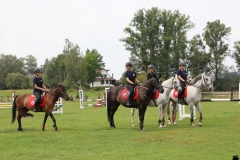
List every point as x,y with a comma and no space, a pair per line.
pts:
23,105
146,92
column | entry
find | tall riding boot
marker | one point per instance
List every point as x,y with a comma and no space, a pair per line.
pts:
180,98
35,107
129,99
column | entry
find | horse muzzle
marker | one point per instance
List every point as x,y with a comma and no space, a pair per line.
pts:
161,90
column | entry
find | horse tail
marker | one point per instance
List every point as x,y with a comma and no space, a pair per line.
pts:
14,109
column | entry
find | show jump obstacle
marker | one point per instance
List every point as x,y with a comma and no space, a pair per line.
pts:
99,102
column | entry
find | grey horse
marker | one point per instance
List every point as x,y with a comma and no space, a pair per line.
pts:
163,99
193,96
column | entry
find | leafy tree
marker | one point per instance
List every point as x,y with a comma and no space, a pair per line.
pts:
30,63
157,37
236,54
197,55
93,63
215,34
16,81
9,64
74,65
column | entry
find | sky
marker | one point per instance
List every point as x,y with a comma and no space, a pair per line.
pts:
39,28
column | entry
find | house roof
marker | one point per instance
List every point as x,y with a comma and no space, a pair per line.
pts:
100,79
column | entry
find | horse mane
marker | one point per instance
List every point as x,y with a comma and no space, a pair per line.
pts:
197,78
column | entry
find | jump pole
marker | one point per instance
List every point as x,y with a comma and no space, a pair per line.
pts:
106,91
81,99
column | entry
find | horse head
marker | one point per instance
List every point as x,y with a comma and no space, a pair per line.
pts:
176,83
158,84
62,92
207,80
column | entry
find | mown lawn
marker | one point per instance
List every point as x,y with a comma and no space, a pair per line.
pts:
85,134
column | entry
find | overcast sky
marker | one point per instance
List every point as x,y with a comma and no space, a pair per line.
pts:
39,27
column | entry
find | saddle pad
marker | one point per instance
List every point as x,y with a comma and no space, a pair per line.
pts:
156,94
175,93
125,93
32,101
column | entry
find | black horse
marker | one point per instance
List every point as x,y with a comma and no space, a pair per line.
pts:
146,92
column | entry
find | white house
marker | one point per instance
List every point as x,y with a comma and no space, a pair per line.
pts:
105,80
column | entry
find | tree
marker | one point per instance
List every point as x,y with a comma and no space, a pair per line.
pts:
197,55
30,63
157,37
9,64
236,54
74,65
16,81
215,34
93,63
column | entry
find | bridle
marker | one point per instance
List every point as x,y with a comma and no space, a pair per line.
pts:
158,87
202,82
62,95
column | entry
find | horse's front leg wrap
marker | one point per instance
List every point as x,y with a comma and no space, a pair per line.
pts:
200,118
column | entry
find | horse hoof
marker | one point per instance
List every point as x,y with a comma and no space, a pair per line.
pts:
193,125
20,129
143,130
175,123
133,125
200,124
169,122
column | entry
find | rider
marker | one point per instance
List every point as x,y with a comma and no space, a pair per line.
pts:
183,77
131,78
39,87
150,72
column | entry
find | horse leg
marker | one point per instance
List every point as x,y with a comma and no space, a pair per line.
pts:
44,121
21,112
198,106
132,114
142,111
174,113
169,116
160,116
113,109
192,115
53,119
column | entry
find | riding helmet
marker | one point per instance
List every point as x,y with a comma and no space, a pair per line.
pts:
151,66
182,63
128,64
36,70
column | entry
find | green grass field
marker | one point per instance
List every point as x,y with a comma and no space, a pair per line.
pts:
85,134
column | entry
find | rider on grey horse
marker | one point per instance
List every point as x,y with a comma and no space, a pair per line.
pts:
150,72
184,79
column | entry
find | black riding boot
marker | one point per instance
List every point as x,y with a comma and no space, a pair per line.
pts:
129,99
35,107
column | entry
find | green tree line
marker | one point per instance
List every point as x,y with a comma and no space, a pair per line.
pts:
153,36
71,68
159,37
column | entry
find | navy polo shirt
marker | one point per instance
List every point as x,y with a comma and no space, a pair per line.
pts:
131,75
39,82
182,73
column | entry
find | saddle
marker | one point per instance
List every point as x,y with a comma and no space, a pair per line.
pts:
41,102
125,93
184,95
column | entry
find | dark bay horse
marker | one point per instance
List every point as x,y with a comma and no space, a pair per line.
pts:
146,92
22,103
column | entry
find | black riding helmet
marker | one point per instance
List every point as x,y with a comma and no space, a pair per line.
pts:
36,70
151,66
128,64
